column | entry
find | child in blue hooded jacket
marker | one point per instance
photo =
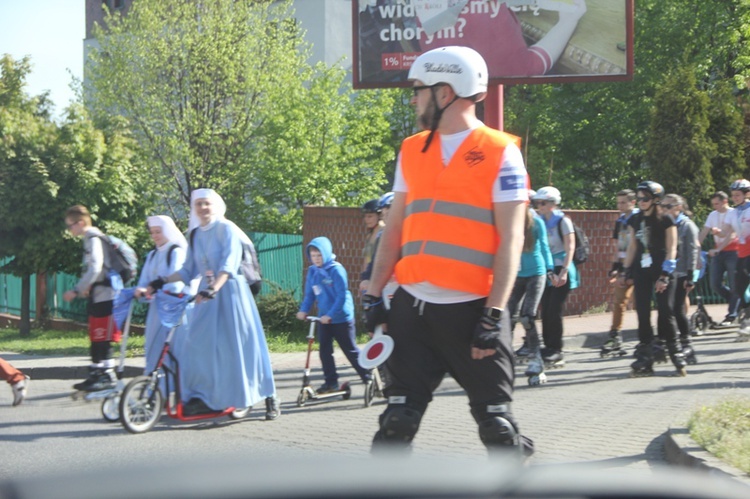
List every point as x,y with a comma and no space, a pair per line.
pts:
327,283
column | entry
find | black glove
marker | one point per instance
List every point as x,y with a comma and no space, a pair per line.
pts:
375,313
616,268
208,294
487,334
157,283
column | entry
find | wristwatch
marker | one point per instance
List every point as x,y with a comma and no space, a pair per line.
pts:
493,313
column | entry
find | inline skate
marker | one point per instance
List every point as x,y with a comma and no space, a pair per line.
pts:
535,370
613,346
644,361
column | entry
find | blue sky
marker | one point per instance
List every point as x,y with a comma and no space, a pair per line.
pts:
51,32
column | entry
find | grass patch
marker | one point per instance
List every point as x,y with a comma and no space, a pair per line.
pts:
51,342
596,309
723,429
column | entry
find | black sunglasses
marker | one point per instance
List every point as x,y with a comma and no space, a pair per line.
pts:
539,202
668,206
417,88
644,198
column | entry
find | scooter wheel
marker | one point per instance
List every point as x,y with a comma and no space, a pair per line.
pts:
111,408
370,394
140,405
347,392
698,322
302,398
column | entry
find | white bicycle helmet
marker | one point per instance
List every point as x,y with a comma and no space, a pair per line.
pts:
548,193
462,68
740,185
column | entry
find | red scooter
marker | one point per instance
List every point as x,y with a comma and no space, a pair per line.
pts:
142,402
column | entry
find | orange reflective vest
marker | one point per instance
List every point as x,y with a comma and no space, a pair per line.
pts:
449,237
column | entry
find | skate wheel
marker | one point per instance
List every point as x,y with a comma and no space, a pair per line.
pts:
681,372
347,391
621,353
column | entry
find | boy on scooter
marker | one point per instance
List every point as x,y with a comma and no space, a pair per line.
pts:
327,284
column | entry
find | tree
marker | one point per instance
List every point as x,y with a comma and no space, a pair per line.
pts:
43,170
590,139
218,94
679,150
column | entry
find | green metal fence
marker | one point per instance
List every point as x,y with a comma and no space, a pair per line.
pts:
280,258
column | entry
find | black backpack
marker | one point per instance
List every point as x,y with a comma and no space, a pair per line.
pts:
582,250
249,266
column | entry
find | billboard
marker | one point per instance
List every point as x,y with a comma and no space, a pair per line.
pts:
523,41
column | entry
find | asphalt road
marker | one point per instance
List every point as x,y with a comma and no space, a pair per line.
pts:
590,411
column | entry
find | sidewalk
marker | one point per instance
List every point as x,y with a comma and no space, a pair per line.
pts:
588,408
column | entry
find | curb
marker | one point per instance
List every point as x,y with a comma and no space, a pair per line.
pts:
682,450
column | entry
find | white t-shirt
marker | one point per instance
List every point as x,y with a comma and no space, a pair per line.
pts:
509,186
716,219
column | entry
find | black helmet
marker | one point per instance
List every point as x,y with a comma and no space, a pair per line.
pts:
653,188
371,206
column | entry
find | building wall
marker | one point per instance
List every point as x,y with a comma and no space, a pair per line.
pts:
344,227
327,25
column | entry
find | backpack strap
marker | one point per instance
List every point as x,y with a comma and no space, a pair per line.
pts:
169,254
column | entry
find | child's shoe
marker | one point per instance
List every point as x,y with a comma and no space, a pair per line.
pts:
326,388
20,391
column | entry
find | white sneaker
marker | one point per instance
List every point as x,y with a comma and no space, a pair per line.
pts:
19,391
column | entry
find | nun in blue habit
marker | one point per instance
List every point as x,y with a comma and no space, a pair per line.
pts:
166,258
224,354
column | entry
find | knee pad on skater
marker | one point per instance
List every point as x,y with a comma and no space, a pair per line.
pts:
527,321
399,422
496,427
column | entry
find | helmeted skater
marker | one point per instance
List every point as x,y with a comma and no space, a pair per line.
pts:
454,237
650,261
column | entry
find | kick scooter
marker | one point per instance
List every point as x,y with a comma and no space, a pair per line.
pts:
308,392
142,402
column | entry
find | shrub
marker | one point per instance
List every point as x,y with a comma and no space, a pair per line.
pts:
277,310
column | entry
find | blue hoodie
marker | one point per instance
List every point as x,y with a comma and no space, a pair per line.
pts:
328,284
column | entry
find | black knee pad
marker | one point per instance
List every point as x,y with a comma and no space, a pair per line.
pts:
399,423
496,427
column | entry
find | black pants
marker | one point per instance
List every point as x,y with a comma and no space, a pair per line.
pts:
643,286
742,279
553,301
680,312
431,340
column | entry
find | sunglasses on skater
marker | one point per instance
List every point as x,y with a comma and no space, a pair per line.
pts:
417,88
668,206
644,199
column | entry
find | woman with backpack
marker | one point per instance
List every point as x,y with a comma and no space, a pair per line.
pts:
166,258
561,236
225,350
